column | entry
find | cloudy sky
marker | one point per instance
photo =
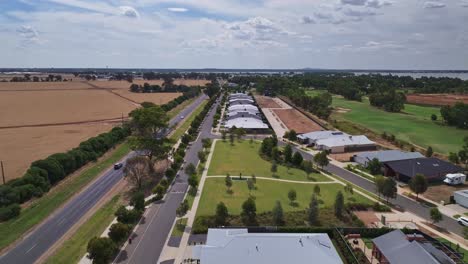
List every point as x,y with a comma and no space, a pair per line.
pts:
340,34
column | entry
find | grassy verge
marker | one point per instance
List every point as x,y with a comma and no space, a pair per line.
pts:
453,246
44,206
75,247
179,227
187,121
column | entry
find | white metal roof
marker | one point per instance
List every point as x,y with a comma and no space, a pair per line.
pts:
234,246
245,122
344,141
240,111
316,135
242,107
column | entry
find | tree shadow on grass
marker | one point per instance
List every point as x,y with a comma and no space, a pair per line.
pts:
294,204
276,176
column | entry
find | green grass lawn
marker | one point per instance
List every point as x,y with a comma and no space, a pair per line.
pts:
414,125
179,227
453,246
244,158
44,206
74,248
266,195
187,121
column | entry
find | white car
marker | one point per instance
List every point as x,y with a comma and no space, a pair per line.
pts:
181,117
463,221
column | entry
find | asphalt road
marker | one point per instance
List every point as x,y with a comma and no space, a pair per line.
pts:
37,242
403,202
150,236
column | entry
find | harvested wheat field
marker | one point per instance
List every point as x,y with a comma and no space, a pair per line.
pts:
32,108
266,102
25,86
436,99
21,146
296,121
157,98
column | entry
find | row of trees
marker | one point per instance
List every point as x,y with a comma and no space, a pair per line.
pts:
456,115
147,88
28,78
47,172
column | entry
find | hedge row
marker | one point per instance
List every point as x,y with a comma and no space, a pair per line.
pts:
47,172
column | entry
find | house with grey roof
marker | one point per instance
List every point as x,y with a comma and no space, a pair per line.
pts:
385,155
397,248
234,246
312,137
345,143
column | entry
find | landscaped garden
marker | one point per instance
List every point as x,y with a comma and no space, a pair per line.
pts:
243,157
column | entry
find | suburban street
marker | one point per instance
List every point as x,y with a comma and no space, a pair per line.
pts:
151,235
38,241
401,201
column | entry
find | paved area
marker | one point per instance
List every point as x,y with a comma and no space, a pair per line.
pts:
152,235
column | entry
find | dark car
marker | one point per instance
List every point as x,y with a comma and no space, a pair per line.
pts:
118,165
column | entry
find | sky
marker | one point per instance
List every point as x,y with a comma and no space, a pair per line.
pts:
254,34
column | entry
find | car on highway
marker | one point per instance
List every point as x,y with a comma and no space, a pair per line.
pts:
463,221
118,165
182,117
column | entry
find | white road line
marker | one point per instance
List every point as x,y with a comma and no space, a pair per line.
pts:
31,248
61,221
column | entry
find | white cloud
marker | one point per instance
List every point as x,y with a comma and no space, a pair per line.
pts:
28,35
378,3
464,4
432,4
307,20
177,9
358,13
354,2
129,11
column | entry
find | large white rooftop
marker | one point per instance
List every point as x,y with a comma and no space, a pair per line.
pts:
316,135
242,107
245,122
235,246
344,141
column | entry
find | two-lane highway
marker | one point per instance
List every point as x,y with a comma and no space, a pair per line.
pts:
38,241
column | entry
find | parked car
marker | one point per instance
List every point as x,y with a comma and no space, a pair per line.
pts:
463,221
118,165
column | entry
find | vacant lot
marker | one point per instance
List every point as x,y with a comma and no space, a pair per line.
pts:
266,102
266,194
442,192
436,99
21,146
413,125
296,121
243,158
49,107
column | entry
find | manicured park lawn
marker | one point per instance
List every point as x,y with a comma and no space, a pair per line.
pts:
244,158
268,191
413,125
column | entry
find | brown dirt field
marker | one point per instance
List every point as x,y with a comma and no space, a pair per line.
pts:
21,146
43,85
266,102
442,192
436,99
157,98
294,119
26,108
368,217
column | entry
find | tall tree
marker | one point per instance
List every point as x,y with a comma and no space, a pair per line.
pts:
278,215
274,167
429,152
308,167
292,195
250,186
321,159
101,250
249,212
389,188
436,215
297,159
228,182
379,184
313,210
339,204
418,184
136,171
190,169
374,166
317,190
288,153
221,214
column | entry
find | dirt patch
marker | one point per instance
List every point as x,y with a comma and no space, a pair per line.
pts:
21,146
341,110
368,217
266,102
295,120
442,192
436,99
26,108
343,157
43,85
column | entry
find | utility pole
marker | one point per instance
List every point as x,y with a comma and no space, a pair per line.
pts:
3,172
